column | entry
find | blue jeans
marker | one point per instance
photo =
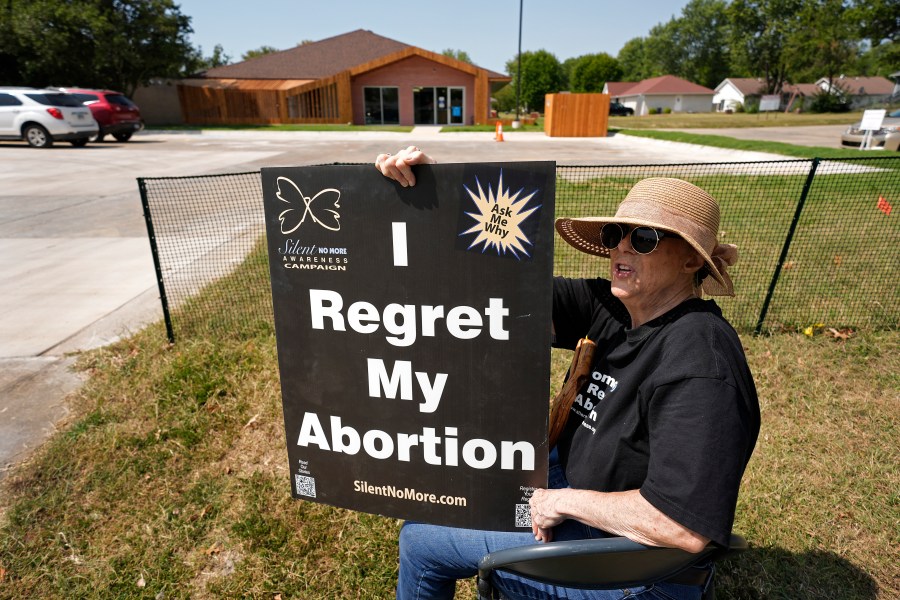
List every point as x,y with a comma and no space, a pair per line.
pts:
433,557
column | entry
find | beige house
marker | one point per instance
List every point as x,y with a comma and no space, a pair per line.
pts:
862,92
660,93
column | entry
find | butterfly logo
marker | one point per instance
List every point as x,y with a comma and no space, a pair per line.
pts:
315,208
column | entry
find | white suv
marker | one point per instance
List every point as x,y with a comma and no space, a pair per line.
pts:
43,116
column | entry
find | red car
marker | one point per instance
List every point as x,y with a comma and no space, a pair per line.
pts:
117,115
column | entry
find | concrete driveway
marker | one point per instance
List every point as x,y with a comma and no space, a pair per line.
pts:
75,264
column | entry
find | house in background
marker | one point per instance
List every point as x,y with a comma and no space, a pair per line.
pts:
734,92
616,88
660,93
794,96
860,91
357,77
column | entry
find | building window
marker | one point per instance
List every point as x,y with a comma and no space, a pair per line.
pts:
382,105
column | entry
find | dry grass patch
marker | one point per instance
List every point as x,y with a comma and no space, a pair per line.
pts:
170,480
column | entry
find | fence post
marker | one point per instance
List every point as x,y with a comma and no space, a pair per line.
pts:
787,244
156,264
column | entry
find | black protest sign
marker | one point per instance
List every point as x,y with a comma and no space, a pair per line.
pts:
413,331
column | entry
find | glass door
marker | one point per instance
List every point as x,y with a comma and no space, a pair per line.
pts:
457,110
423,105
439,105
442,106
372,99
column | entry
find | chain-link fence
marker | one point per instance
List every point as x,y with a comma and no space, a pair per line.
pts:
208,233
818,240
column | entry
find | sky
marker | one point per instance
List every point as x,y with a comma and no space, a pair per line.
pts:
488,30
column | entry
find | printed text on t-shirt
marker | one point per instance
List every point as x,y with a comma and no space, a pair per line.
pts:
586,402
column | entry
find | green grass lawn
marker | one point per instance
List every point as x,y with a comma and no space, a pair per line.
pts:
722,120
821,281
537,127
711,120
169,478
721,141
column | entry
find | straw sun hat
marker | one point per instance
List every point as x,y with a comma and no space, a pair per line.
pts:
671,205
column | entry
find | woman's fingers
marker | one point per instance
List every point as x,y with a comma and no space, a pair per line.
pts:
399,166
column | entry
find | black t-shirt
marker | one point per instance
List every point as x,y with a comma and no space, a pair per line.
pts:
670,407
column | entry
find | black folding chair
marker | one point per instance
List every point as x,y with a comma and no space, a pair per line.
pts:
603,564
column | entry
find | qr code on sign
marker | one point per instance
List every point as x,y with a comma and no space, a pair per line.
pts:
306,486
523,515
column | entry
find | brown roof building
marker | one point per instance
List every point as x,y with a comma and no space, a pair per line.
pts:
357,77
660,93
617,88
861,92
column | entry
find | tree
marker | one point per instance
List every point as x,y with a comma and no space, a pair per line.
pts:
878,20
692,46
633,60
541,74
878,24
878,60
117,44
46,37
589,72
217,59
506,99
702,33
823,43
261,51
663,50
759,30
141,39
458,55
9,47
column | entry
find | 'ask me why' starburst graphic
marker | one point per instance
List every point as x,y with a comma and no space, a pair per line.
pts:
499,218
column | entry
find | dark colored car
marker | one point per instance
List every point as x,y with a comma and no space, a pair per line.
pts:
619,109
116,114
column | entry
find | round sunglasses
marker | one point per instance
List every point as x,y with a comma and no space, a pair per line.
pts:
644,240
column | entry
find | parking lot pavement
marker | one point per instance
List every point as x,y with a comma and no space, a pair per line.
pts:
301,148
75,264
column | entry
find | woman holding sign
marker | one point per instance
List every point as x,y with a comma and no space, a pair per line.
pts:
656,440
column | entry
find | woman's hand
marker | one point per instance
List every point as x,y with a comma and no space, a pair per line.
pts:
399,166
545,514
618,513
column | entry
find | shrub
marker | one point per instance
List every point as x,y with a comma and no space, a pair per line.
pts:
667,111
825,102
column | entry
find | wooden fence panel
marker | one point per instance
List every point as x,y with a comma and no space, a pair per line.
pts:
576,115
229,106
223,106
